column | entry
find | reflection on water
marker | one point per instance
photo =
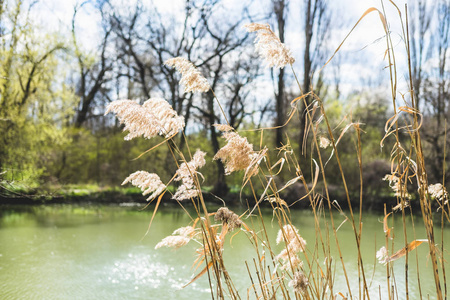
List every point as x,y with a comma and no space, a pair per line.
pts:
70,252
74,252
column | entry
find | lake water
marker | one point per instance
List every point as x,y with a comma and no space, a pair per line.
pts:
98,252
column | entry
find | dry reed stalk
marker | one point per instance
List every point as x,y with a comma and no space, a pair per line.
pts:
322,168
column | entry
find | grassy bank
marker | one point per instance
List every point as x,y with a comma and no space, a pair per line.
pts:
95,194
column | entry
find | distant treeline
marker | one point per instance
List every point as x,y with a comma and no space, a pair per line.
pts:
53,94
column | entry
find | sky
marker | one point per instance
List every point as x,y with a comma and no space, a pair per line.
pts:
365,43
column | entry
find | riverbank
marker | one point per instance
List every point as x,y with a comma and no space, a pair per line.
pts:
93,194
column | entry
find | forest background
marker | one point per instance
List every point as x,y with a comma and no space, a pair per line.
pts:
58,72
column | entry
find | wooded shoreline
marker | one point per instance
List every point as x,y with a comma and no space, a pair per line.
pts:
118,197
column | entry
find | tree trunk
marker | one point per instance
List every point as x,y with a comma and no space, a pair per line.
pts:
307,63
280,96
220,187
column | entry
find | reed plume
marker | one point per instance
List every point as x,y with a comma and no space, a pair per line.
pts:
400,190
294,244
438,192
299,283
191,78
237,154
155,117
269,46
223,127
186,174
179,238
228,217
147,182
382,255
324,142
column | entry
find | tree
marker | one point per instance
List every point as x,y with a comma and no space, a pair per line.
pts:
316,28
205,37
34,103
429,42
420,22
94,70
434,89
280,8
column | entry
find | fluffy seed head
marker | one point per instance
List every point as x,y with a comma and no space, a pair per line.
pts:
397,186
438,191
155,116
147,182
293,239
382,255
299,283
186,174
228,217
324,142
294,244
179,238
223,127
256,158
237,154
191,78
269,46
187,231
173,241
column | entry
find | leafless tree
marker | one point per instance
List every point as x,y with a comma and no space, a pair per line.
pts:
316,29
213,43
419,26
91,77
280,10
435,90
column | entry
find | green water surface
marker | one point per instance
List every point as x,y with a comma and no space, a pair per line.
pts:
100,252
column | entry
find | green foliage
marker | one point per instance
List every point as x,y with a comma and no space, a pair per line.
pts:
35,105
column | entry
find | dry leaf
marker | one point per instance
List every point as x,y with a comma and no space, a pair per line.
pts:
386,229
402,252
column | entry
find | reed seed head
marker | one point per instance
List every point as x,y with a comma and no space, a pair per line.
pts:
147,182
191,78
397,186
223,127
382,255
293,239
299,283
173,241
228,217
294,244
186,174
237,154
179,238
269,46
155,116
438,192
324,142
187,231
256,158
289,259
